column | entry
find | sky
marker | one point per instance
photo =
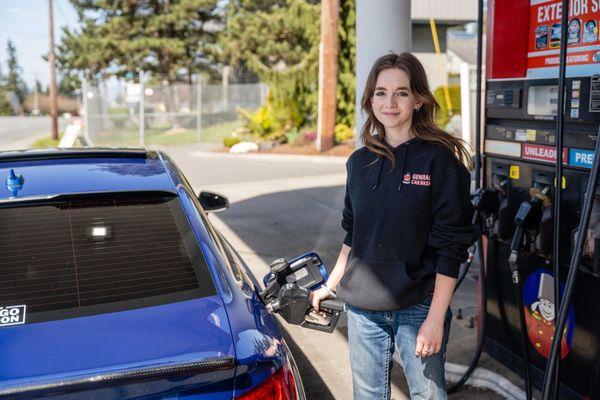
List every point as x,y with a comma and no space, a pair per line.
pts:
25,22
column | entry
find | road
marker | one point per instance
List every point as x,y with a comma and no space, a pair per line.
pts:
284,207
16,128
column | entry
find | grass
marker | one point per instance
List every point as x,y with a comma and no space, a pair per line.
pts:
130,136
45,143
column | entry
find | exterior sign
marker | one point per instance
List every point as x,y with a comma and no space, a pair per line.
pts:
539,152
581,158
583,44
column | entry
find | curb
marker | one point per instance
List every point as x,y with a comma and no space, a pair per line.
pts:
480,378
485,378
273,157
23,143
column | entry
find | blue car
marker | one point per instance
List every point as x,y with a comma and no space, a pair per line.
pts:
115,285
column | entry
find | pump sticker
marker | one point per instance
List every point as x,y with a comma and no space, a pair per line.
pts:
531,135
574,31
590,31
513,172
12,315
542,153
544,38
581,158
541,37
540,312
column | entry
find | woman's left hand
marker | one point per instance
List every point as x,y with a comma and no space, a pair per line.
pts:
430,336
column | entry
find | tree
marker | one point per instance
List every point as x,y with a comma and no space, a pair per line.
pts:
279,41
69,85
346,85
5,108
14,81
170,39
38,86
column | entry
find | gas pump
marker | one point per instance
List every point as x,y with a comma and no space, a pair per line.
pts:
519,164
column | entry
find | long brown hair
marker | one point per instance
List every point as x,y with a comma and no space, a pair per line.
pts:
423,120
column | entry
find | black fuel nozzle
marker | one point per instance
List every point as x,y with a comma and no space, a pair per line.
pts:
287,293
486,203
274,280
307,272
528,216
293,304
530,211
498,208
486,200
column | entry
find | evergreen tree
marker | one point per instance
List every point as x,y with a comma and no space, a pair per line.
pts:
38,86
14,80
279,41
346,85
5,108
68,85
170,39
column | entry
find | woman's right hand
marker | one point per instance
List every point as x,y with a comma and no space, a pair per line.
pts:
316,296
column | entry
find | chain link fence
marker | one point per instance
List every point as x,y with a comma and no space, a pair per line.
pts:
132,114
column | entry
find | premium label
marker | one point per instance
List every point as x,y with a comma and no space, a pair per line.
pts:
581,158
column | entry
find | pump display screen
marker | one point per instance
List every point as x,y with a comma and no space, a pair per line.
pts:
542,100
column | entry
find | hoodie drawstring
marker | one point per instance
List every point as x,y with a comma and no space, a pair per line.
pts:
402,165
380,161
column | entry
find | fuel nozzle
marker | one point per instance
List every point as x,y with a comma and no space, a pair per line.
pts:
287,293
528,216
498,208
486,200
487,203
293,304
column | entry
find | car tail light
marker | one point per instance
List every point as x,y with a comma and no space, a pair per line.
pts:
279,386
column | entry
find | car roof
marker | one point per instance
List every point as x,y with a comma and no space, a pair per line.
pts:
70,171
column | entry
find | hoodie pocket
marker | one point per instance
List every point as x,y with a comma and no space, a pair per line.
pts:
379,285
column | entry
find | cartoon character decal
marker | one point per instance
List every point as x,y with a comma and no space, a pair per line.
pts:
541,37
574,31
540,313
590,31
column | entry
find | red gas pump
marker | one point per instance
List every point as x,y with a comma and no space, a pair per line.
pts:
538,222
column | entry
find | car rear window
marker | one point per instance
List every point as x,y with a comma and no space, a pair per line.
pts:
91,255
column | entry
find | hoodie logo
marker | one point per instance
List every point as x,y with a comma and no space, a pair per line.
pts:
416,179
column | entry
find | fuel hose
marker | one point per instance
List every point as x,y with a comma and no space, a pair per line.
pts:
550,376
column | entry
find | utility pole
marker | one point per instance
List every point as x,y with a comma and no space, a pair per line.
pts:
328,67
52,61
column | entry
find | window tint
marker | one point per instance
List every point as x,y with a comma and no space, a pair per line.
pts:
92,255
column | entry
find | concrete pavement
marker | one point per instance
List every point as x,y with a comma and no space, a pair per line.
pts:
16,132
286,207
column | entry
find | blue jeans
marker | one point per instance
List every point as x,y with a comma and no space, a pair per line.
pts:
372,337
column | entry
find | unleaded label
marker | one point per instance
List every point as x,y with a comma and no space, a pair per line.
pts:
542,153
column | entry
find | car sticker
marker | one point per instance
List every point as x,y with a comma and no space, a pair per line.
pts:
12,315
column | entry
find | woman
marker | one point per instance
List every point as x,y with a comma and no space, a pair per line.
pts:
407,216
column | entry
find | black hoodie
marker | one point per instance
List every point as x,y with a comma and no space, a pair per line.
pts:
404,225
